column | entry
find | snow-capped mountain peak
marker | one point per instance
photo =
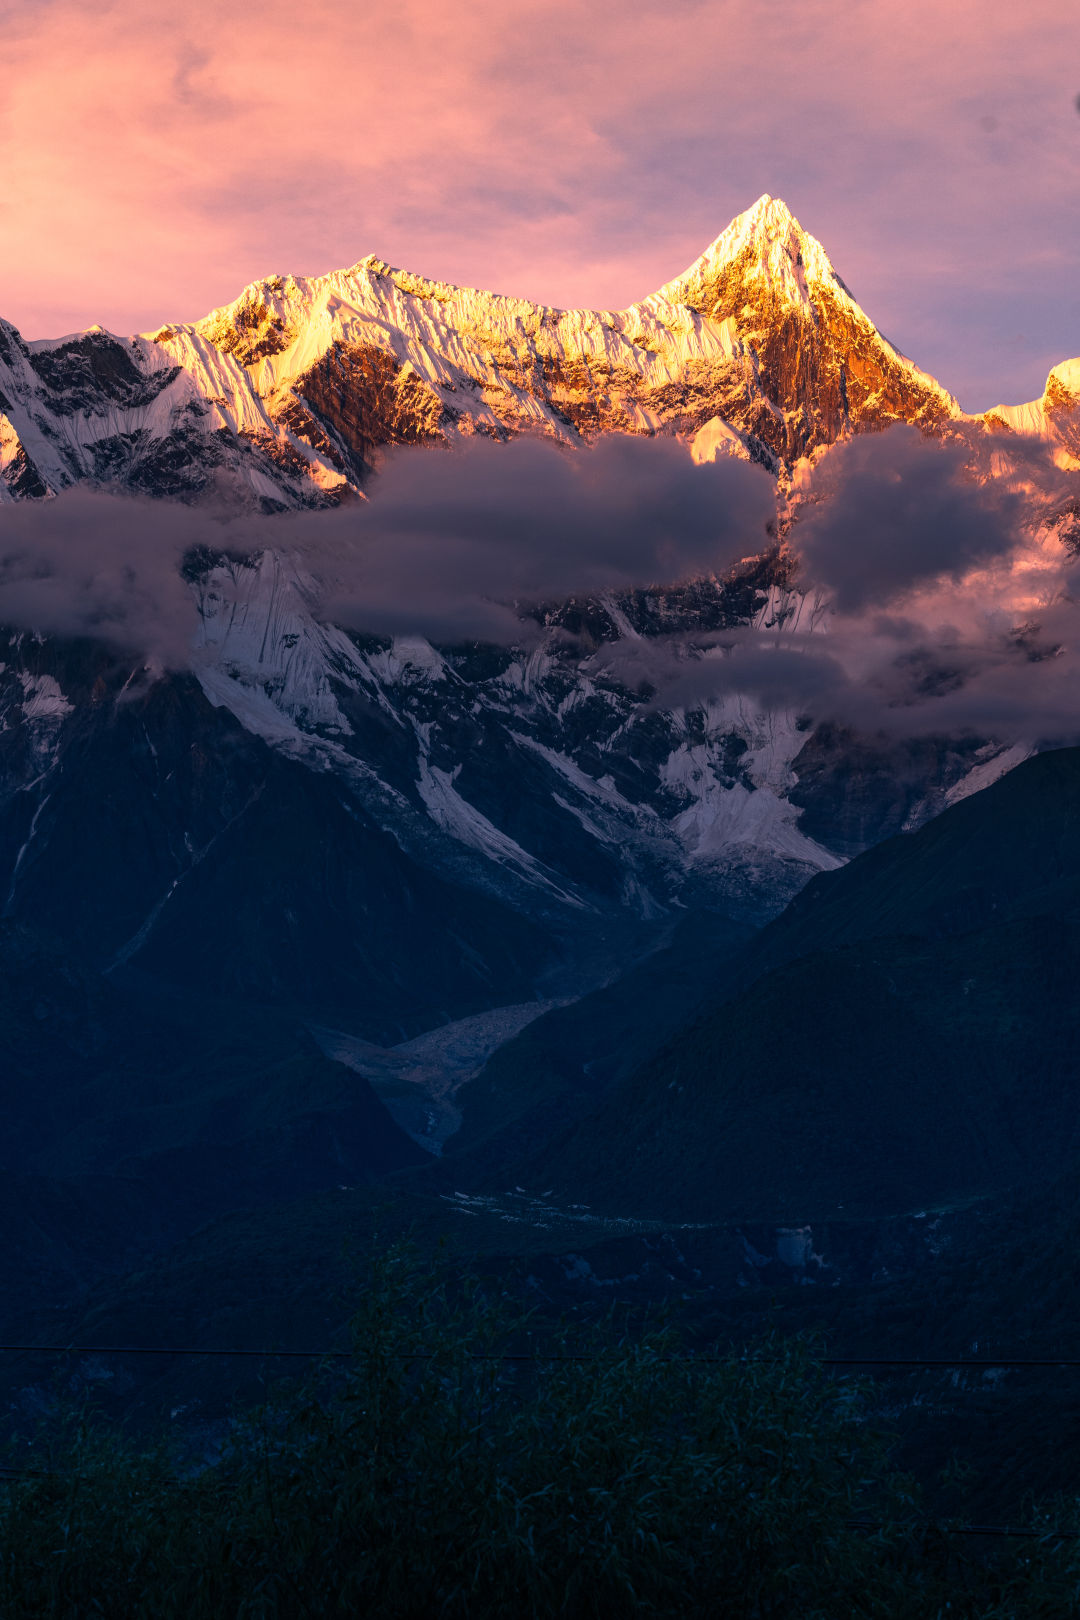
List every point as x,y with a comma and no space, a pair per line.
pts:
289,394
767,243
1054,418
533,777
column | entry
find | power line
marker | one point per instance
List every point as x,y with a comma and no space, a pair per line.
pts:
163,1350
949,1361
8,1473
977,1363
970,1530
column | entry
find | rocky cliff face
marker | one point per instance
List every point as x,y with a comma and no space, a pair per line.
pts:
817,366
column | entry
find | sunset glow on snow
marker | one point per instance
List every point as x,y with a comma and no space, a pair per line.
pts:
156,160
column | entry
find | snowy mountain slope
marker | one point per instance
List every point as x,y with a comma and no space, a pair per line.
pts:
375,354
151,834
543,770
391,835
1054,417
538,772
288,393
1052,422
534,778
94,408
285,397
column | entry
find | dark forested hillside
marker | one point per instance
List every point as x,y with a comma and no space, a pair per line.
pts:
905,1033
131,1118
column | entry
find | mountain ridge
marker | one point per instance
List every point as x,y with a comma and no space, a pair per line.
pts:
901,1037
289,394
530,776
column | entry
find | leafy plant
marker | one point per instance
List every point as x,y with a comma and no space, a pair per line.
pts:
432,1475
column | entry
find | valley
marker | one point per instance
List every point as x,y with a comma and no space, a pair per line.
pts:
625,988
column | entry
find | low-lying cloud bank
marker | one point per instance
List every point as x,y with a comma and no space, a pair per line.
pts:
929,605
451,543
882,675
894,511
933,604
447,546
91,564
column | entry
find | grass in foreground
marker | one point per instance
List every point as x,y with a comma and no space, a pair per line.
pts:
421,1482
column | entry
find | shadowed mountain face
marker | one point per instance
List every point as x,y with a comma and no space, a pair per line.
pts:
168,841
409,846
383,835
132,1117
905,1034
388,835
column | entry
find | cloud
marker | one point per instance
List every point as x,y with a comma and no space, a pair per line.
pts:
451,541
578,155
948,617
448,544
1005,678
936,605
90,564
881,678
895,510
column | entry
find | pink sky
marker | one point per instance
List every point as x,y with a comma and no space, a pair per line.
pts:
155,158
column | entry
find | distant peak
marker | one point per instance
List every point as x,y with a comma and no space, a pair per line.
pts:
1064,379
769,220
765,241
771,210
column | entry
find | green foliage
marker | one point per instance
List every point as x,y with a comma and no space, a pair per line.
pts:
421,1480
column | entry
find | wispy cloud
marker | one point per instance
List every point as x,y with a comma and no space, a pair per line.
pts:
895,510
